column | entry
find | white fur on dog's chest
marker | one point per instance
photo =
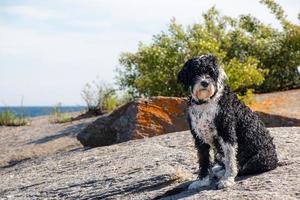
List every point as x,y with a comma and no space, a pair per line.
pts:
205,115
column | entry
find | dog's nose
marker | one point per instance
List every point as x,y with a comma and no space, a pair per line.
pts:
204,83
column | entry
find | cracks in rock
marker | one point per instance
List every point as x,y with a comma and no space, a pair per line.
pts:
12,163
284,163
150,184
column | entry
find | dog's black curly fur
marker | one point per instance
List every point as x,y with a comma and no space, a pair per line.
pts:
234,123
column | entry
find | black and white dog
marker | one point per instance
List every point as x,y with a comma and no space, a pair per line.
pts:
230,139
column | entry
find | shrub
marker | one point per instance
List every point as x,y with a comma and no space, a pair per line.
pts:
254,55
110,102
8,118
99,97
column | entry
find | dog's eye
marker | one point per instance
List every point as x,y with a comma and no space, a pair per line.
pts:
212,72
197,77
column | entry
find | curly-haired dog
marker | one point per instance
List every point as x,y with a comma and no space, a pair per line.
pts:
229,137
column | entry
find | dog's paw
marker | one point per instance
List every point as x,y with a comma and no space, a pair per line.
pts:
225,183
217,167
218,171
219,174
200,183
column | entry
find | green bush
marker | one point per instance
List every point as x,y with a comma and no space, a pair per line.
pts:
254,55
8,118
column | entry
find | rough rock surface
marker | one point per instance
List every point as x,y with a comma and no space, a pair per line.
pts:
145,169
284,103
135,120
39,138
278,109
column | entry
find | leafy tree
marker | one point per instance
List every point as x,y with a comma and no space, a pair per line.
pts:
254,55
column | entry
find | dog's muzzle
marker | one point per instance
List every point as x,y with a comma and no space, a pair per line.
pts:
203,89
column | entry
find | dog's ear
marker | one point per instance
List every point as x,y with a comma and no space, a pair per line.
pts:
212,59
183,75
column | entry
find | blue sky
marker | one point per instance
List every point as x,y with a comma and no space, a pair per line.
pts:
49,49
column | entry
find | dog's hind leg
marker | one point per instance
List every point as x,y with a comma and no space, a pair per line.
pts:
230,163
263,161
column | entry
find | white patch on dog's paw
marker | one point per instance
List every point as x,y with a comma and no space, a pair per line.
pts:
218,171
219,174
224,183
216,168
200,183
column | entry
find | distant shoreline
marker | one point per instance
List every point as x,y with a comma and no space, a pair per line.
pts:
36,111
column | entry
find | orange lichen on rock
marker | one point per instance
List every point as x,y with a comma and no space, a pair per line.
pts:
170,105
160,115
135,120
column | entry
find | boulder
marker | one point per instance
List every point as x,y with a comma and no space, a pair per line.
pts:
278,109
136,120
283,103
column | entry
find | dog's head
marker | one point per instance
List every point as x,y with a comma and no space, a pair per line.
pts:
203,76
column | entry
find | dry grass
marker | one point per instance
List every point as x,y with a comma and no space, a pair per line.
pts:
59,118
8,118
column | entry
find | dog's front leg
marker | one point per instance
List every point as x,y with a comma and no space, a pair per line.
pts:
203,157
204,178
230,164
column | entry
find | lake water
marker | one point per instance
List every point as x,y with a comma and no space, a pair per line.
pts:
33,111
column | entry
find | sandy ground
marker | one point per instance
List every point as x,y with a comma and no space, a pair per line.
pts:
39,138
